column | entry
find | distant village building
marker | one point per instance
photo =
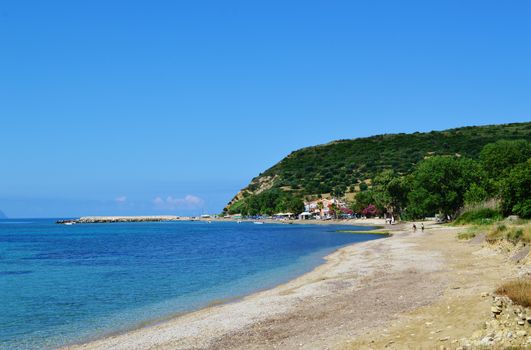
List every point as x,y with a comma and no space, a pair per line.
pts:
305,215
283,215
321,208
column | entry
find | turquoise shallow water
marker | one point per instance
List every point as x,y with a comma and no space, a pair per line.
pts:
62,284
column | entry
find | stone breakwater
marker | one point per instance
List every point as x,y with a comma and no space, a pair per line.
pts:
107,219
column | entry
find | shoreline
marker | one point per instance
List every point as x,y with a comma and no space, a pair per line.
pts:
372,225
172,218
365,295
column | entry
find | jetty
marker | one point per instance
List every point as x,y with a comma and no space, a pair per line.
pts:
110,219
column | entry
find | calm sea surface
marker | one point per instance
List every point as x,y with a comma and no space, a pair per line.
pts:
62,284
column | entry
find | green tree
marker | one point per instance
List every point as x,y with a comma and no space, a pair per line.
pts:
475,194
390,192
322,169
290,204
438,185
339,191
362,201
320,206
268,202
296,205
499,157
516,193
335,210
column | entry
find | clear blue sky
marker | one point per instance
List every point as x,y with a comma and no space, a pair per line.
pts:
145,107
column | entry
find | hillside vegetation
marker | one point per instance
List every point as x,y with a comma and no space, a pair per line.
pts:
350,166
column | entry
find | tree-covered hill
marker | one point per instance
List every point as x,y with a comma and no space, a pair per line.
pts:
344,166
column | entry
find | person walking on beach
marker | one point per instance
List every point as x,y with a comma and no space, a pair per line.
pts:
414,228
422,227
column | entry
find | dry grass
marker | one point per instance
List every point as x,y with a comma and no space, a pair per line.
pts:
466,235
510,231
488,204
470,232
519,291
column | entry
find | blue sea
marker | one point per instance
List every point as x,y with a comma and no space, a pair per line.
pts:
65,284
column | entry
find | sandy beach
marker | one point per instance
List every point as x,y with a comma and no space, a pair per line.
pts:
409,291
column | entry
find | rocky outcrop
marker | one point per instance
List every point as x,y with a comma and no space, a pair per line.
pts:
257,186
509,327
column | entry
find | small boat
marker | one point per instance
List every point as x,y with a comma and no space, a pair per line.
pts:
258,222
239,221
69,223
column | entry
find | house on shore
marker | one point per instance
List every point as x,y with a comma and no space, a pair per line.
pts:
322,208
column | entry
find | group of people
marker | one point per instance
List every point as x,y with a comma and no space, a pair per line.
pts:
415,227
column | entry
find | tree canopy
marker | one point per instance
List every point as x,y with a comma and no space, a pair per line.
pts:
344,166
516,191
268,202
501,156
415,175
390,191
438,185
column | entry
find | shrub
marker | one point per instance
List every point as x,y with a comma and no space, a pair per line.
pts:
523,209
370,211
471,232
481,216
497,233
513,234
525,235
516,191
519,291
468,234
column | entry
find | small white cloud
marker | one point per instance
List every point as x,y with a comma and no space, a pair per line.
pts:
188,202
193,200
121,199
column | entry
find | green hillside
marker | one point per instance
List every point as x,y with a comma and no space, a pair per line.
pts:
340,167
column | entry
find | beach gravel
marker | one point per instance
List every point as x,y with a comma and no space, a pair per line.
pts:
390,292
